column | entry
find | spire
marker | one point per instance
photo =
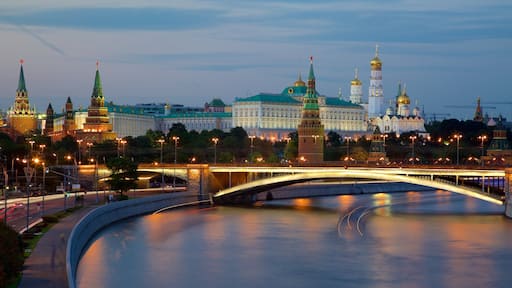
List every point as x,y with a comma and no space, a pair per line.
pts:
478,112
399,88
356,76
49,110
97,91
311,73
68,101
21,83
376,50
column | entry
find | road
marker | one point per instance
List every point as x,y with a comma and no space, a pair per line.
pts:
17,208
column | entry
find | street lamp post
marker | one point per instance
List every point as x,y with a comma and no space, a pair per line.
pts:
482,138
413,138
252,145
31,142
347,138
28,175
44,188
79,141
162,141
215,140
123,142
457,136
118,142
175,139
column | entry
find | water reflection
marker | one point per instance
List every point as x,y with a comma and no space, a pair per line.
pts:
432,239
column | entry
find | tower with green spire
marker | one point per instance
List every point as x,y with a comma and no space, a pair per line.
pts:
22,117
311,130
97,126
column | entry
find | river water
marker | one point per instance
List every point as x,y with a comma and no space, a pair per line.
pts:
413,239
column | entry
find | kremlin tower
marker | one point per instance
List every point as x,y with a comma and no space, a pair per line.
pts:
21,118
478,112
356,90
311,130
376,91
97,126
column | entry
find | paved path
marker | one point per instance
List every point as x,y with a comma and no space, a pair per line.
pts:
46,266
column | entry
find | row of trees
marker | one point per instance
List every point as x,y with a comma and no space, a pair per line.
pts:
236,146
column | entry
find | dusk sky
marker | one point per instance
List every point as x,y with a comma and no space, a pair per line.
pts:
188,52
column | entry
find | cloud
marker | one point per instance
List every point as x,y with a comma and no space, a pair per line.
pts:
116,18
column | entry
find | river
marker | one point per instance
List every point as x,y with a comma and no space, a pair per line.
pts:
413,239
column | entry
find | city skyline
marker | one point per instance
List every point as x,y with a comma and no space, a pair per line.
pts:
189,52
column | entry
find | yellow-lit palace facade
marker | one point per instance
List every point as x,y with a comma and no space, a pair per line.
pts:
274,116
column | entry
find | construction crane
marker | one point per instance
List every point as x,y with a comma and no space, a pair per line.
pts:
432,117
468,107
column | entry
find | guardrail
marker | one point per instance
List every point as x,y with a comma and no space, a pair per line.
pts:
105,215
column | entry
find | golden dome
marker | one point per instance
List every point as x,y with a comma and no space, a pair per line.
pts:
356,80
375,62
403,99
299,83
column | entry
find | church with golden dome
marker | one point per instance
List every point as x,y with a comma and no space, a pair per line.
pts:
398,117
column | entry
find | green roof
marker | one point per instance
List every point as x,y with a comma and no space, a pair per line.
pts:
217,103
333,101
21,82
97,91
294,91
269,98
197,115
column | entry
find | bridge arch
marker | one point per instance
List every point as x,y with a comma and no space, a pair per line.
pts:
261,185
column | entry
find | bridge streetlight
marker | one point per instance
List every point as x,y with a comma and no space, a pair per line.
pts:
175,139
413,138
457,136
215,140
482,138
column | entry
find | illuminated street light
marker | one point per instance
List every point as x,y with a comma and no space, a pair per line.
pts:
215,140
175,139
118,142
252,142
31,142
482,138
162,141
79,141
458,137
413,138
348,138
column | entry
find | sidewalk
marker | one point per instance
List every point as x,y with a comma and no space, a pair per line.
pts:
46,265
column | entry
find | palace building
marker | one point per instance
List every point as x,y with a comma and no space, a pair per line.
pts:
274,116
